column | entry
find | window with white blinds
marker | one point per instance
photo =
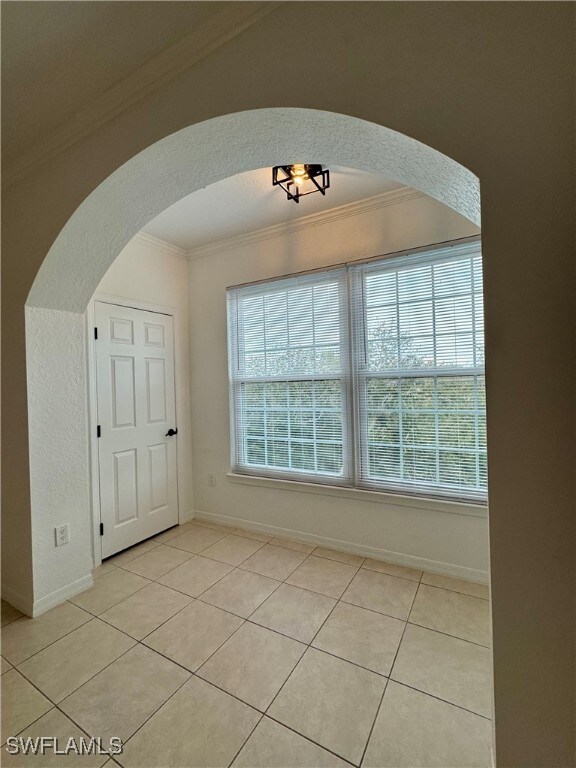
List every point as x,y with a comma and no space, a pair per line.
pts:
369,376
290,378
418,334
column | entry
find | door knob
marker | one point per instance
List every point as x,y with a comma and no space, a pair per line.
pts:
171,432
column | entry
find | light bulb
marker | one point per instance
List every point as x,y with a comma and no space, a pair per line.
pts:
298,171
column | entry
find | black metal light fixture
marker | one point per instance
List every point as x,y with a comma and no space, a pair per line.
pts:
300,179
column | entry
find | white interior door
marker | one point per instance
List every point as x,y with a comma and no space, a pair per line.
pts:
136,409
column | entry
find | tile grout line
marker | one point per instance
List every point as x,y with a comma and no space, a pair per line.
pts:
447,634
260,626
278,694
57,708
56,704
454,592
17,618
270,717
192,598
244,620
91,616
96,615
347,661
307,646
371,731
438,698
307,738
307,555
233,568
402,638
194,674
153,545
116,757
238,536
136,643
235,631
362,565
245,741
338,600
439,631
310,644
379,707
313,553
242,701
160,576
139,640
40,716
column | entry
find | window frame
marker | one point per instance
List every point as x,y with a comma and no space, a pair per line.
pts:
359,343
353,376
237,379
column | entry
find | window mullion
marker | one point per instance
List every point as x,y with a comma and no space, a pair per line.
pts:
400,409
350,386
433,382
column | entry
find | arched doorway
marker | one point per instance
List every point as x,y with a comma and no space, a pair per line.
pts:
153,180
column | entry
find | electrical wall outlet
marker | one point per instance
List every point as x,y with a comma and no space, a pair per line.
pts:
211,478
62,534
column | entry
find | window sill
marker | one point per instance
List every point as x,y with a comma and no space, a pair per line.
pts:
360,494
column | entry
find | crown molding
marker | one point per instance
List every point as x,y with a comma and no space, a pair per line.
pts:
395,197
233,19
161,245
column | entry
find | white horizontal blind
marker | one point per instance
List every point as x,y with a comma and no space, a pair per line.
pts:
418,339
290,379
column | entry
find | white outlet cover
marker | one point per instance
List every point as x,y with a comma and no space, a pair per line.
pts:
62,533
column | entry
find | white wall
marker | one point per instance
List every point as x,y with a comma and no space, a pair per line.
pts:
144,271
59,490
444,537
147,271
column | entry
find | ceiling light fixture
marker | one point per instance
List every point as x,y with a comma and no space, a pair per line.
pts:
300,179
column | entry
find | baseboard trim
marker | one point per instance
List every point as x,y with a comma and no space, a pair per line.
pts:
17,600
398,558
62,594
187,517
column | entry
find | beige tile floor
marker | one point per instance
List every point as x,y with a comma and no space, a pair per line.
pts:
214,646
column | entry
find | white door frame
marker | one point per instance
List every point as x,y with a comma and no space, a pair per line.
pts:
94,468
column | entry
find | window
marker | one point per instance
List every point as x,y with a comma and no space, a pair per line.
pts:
419,357
289,366
368,376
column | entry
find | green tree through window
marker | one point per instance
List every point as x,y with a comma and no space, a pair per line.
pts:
369,375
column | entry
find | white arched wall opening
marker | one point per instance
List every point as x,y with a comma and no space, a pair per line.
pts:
167,171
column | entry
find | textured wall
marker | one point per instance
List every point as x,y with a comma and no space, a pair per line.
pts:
200,155
488,84
58,420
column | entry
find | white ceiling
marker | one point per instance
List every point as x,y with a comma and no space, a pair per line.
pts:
248,202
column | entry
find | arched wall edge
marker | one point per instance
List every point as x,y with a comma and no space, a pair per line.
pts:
207,152
159,176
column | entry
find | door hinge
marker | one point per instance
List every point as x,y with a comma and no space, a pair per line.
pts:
98,431
101,529
95,333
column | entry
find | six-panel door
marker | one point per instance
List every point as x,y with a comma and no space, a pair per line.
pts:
136,408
